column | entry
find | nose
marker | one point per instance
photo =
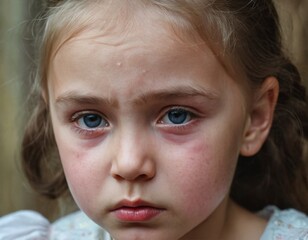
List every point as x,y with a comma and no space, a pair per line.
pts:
133,159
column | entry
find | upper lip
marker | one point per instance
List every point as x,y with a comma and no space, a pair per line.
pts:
134,204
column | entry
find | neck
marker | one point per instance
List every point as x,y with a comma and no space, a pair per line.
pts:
241,224
229,221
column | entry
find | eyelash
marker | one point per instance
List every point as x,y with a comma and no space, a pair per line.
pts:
96,131
88,131
192,116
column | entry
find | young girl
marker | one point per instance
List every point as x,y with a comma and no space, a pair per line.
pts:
171,119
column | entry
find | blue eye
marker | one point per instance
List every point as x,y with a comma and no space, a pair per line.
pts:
91,121
177,116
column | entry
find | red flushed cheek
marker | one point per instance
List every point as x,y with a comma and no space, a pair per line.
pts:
188,161
76,167
202,181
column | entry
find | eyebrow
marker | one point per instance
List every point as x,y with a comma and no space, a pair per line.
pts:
177,92
79,98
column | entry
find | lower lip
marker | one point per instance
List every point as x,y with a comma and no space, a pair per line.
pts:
136,214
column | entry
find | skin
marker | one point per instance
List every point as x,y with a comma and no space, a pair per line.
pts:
132,81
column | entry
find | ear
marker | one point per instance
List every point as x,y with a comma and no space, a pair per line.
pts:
260,117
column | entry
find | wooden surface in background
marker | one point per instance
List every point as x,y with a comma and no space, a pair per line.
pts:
294,19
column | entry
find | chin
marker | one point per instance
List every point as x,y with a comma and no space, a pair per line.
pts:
142,233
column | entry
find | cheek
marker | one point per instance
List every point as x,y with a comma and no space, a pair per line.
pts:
84,174
202,175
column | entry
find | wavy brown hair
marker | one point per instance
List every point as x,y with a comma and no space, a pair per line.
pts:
245,35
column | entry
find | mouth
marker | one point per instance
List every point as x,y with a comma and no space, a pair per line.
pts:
136,211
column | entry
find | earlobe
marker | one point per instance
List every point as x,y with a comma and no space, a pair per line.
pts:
260,117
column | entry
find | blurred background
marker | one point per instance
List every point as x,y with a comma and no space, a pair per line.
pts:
16,69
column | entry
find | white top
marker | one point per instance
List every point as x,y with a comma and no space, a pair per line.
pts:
29,225
285,225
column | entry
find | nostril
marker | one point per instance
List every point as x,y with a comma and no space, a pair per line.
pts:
117,177
143,177
132,176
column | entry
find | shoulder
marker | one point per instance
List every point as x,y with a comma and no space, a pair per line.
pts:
24,225
285,224
77,226
29,225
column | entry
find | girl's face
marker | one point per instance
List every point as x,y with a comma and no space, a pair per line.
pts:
149,129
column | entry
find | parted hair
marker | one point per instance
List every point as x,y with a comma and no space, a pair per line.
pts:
248,36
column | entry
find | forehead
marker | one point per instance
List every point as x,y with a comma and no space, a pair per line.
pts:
129,55
121,27
116,21
130,32
139,39
126,53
